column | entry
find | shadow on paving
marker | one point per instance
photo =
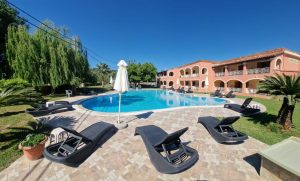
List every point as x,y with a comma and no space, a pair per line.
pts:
142,116
56,121
254,160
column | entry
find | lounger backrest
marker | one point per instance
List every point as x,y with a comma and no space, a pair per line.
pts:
74,133
171,137
228,121
246,102
230,93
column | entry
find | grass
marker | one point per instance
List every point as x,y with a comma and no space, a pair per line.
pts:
260,126
15,124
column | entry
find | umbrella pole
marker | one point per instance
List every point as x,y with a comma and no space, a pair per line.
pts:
120,97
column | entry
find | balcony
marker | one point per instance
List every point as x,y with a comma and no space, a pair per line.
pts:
189,75
235,72
259,70
252,91
195,75
235,89
220,88
220,74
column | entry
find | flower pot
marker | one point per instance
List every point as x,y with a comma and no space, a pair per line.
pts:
34,153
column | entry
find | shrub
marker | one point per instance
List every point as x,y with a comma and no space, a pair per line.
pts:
13,83
32,140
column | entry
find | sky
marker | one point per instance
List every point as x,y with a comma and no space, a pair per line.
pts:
171,33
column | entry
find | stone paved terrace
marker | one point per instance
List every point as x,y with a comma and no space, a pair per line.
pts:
124,156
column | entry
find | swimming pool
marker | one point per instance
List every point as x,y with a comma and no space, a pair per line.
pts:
142,100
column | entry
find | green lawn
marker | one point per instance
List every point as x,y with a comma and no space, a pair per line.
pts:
258,126
14,126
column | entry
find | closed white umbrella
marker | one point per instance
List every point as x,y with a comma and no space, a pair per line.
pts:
111,80
206,82
121,82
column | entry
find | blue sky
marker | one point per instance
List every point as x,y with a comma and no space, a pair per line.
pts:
170,33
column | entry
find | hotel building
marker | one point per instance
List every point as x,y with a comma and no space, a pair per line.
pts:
241,75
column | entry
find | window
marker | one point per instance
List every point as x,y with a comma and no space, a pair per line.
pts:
204,71
165,83
171,83
203,84
278,65
171,74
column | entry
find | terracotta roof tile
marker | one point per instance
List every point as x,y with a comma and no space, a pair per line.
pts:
265,54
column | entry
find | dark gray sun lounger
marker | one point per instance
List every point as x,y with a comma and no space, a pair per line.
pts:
79,146
222,131
244,109
217,93
166,151
43,110
229,95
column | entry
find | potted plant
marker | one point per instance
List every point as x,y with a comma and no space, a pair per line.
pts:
33,146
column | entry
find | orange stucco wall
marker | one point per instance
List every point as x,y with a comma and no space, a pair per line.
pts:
242,77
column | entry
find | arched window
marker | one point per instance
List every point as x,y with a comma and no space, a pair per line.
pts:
203,84
171,83
204,71
278,65
165,83
171,74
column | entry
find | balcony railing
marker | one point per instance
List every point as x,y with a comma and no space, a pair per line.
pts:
195,75
235,72
220,74
252,91
234,89
220,88
259,70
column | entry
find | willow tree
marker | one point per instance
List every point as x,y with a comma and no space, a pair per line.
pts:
46,57
289,88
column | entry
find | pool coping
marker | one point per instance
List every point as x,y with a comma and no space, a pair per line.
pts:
78,106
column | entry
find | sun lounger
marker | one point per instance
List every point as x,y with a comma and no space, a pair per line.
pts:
222,131
43,110
217,93
244,108
79,146
189,90
166,151
229,95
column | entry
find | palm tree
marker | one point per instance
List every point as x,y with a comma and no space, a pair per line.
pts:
103,72
287,86
11,95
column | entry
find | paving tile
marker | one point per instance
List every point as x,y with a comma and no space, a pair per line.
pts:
124,156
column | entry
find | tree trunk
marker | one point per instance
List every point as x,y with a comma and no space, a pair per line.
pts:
287,117
102,83
281,111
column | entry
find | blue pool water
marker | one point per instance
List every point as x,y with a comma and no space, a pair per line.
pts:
141,100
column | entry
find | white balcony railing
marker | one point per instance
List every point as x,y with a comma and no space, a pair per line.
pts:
235,72
220,88
251,91
185,76
234,89
220,74
195,75
259,70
